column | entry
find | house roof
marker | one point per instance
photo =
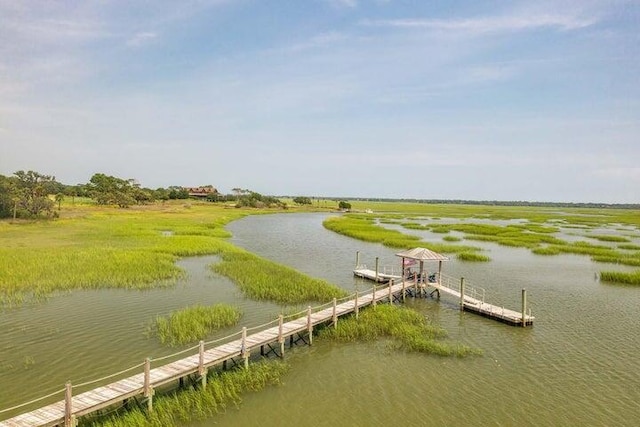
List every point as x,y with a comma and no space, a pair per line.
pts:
422,254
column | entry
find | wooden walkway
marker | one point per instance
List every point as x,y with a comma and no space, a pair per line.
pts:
65,412
473,301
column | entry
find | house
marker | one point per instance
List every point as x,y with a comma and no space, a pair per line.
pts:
201,191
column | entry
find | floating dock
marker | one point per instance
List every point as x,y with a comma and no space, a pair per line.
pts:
368,274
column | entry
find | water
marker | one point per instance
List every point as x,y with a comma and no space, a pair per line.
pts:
578,365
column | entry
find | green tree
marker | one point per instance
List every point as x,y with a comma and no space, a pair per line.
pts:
109,190
32,193
300,200
344,205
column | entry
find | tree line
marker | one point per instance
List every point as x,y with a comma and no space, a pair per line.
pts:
32,194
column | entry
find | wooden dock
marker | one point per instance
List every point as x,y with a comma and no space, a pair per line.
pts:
472,299
368,274
270,337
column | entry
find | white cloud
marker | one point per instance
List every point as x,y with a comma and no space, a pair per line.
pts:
142,38
344,3
489,24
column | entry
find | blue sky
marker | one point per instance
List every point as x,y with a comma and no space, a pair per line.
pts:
484,100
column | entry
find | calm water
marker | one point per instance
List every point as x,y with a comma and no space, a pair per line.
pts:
578,365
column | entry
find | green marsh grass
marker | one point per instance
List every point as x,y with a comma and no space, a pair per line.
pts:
472,257
262,279
194,323
408,330
609,238
620,277
452,239
548,250
196,404
364,228
98,247
629,247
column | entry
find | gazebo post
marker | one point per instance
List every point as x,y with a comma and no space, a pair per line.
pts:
439,272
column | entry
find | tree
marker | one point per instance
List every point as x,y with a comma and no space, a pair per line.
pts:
300,200
344,205
31,195
109,190
59,198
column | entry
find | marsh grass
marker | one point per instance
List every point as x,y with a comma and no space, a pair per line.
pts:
194,323
195,404
621,277
408,330
364,228
546,250
609,238
452,239
97,247
262,279
472,257
629,247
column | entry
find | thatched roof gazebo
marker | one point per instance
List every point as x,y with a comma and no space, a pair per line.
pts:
421,255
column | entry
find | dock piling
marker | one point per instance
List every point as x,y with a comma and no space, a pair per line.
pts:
334,317
148,391
309,325
202,370
524,307
462,294
280,335
377,261
68,405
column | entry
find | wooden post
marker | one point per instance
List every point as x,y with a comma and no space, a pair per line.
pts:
439,272
243,348
377,260
202,371
403,290
309,325
280,335
415,285
390,294
335,313
462,294
357,308
373,296
148,391
357,258
68,405
524,307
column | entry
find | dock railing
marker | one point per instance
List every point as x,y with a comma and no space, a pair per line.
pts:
470,290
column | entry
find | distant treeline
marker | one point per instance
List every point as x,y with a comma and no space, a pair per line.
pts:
494,202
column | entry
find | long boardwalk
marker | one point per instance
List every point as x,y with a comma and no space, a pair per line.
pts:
66,412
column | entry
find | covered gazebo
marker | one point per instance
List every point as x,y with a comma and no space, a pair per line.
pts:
420,255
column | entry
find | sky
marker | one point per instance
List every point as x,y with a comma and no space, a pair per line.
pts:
441,99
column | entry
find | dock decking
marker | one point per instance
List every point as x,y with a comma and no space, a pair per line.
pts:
66,412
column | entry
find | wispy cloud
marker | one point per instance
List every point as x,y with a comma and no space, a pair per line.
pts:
141,39
489,24
344,3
